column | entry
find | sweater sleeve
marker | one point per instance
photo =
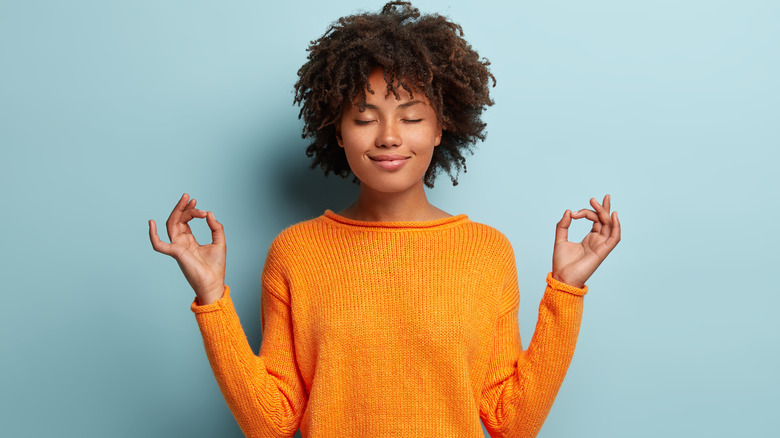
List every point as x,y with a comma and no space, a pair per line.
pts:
265,392
521,385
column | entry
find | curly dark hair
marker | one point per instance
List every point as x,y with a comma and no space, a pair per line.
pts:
419,53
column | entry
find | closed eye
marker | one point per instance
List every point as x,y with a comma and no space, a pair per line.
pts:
363,122
412,120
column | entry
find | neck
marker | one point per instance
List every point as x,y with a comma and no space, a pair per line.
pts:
408,206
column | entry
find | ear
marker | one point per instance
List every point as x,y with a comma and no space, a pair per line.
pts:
439,133
339,139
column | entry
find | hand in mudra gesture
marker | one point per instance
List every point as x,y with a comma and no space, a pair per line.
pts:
202,265
574,263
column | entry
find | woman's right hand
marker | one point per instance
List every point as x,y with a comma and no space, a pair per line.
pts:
202,265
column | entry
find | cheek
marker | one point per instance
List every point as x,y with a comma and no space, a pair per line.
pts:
350,143
349,138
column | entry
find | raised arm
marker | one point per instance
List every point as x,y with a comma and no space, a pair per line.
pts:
264,392
522,384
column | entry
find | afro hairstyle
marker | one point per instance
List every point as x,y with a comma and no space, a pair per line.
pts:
419,53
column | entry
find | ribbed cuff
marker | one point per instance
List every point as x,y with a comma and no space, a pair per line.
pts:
215,306
563,287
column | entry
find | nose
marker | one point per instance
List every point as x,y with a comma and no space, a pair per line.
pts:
388,135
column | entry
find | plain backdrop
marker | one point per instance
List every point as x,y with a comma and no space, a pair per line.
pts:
109,111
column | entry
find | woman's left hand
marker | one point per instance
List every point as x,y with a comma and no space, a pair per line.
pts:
574,263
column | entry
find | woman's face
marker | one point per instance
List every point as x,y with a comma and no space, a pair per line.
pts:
389,145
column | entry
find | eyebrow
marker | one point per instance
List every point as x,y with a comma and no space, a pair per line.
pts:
401,106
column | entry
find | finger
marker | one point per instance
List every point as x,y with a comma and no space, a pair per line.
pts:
587,214
190,205
562,228
614,235
217,230
181,226
190,212
175,215
596,228
605,228
603,213
591,216
188,215
158,244
609,226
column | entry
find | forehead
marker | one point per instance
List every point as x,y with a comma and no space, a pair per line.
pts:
380,89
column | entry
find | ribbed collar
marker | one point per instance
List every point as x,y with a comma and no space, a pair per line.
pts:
436,223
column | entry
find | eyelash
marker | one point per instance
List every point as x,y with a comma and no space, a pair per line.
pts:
366,122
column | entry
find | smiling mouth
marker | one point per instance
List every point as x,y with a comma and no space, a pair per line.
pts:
389,162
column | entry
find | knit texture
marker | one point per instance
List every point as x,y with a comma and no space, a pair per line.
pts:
392,329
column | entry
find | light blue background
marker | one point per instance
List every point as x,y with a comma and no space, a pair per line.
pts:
110,110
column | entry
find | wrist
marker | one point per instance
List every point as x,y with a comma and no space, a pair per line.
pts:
568,281
559,285
210,296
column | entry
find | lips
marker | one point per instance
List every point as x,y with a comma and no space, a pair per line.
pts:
389,162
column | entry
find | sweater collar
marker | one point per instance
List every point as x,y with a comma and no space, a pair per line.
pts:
432,224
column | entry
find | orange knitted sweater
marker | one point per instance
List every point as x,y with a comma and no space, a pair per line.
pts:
392,329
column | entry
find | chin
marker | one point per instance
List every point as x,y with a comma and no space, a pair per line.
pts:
388,186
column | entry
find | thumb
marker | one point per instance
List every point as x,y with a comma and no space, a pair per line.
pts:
217,230
562,228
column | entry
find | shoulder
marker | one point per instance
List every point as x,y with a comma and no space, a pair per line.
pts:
300,230
301,234
482,244
294,244
486,250
487,236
